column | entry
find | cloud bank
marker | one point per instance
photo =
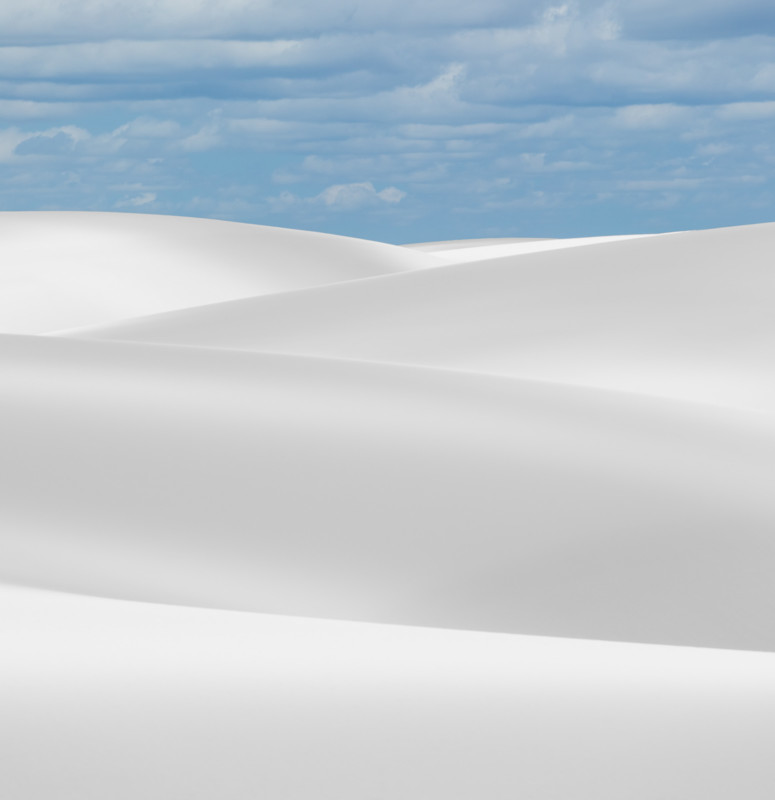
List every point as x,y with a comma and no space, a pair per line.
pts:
389,119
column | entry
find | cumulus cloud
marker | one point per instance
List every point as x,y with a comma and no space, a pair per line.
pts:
43,144
52,142
10,139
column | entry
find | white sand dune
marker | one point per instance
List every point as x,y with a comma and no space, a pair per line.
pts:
67,269
459,252
384,493
503,449
460,244
686,315
105,699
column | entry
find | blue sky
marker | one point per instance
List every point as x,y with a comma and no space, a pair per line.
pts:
398,120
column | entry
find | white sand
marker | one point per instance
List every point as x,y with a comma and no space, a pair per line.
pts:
66,269
107,699
471,442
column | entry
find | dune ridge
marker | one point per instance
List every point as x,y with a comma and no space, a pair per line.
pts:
684,315
65,269
431,491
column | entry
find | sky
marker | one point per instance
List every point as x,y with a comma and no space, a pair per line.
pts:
396,120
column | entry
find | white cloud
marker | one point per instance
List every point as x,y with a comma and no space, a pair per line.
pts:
207,137
748,111
317,164
662,185
149,128
51,142
32,109
533,161
122,57
143,199
340,197
391,195
10,138
650,116
358,195
713,149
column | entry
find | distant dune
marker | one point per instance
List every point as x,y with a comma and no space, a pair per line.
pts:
686,316
67,269
435,476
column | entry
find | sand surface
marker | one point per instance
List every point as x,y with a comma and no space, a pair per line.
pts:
299,516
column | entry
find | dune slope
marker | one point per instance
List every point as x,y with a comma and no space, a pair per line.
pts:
68,269
685,315
106,699
375,492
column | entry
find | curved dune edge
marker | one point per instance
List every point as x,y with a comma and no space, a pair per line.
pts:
127,700
477,445
489,249
452,244
64,269
686,316
383,493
